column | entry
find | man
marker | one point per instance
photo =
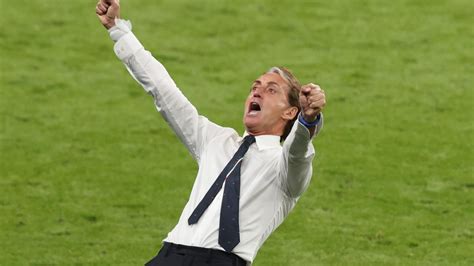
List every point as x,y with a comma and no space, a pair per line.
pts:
245,186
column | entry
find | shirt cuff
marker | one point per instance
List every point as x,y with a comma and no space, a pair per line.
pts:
126,44
120,28
304,130
308,124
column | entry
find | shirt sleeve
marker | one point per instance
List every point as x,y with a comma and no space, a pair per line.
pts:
192,129
295,169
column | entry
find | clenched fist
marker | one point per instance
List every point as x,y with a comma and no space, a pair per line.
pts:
312,101
107,11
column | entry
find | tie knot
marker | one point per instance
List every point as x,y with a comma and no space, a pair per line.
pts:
249,139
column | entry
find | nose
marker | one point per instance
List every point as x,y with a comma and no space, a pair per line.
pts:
256,92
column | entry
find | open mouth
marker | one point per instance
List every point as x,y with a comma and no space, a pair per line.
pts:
254,108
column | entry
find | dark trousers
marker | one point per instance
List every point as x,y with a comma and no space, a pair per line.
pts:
179,255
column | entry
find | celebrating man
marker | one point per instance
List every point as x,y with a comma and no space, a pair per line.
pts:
245,186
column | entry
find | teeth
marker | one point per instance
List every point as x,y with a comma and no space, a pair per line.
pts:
253,113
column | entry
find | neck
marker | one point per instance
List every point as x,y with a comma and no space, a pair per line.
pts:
276,131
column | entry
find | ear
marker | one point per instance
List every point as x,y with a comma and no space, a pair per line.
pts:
289,113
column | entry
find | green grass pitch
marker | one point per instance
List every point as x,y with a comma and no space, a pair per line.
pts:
90,174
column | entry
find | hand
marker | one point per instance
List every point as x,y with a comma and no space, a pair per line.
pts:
107,11
312,101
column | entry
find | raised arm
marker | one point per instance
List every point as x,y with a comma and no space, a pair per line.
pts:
193,130
298,151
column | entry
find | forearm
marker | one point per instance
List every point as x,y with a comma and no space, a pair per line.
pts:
298,154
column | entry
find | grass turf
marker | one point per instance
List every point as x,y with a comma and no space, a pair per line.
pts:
90,174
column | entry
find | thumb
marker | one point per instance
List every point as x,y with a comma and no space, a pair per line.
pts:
114,9
113,3
306,90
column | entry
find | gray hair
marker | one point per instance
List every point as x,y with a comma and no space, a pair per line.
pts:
280,72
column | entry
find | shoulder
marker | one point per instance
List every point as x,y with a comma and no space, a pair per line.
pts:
226,135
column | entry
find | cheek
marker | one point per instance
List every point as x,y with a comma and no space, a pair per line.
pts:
282,104
278,105
275,109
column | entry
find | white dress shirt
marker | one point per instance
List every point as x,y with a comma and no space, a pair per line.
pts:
272,177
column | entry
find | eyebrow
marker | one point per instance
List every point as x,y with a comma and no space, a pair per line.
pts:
257,81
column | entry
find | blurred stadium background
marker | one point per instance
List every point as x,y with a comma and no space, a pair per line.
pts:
91,174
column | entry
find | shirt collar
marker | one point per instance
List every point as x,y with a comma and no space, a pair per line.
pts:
266,141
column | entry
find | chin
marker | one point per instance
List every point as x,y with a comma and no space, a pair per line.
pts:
251,123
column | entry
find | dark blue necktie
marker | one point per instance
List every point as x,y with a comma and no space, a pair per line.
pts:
229,235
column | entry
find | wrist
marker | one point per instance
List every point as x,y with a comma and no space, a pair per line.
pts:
309,121
109,24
